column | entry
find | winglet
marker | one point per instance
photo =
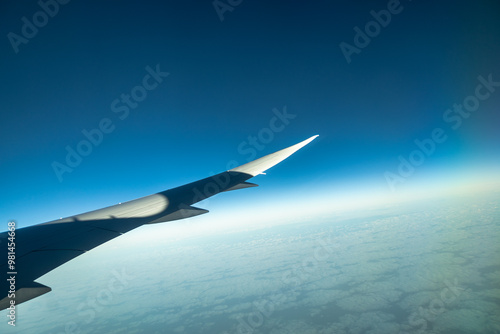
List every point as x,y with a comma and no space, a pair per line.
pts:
258,166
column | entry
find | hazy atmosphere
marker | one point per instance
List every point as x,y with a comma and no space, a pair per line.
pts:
388,222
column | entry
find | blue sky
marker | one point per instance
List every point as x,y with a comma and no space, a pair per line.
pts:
227,80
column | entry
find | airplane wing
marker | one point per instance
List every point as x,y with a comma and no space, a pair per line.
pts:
44,247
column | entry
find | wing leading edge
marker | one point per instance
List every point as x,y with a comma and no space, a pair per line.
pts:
44,247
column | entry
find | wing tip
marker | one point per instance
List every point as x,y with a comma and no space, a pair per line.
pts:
260,165
310,139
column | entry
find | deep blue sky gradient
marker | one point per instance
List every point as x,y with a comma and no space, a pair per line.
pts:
225,79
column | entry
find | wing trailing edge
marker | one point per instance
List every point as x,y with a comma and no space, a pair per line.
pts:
242,185
183,212
25,293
